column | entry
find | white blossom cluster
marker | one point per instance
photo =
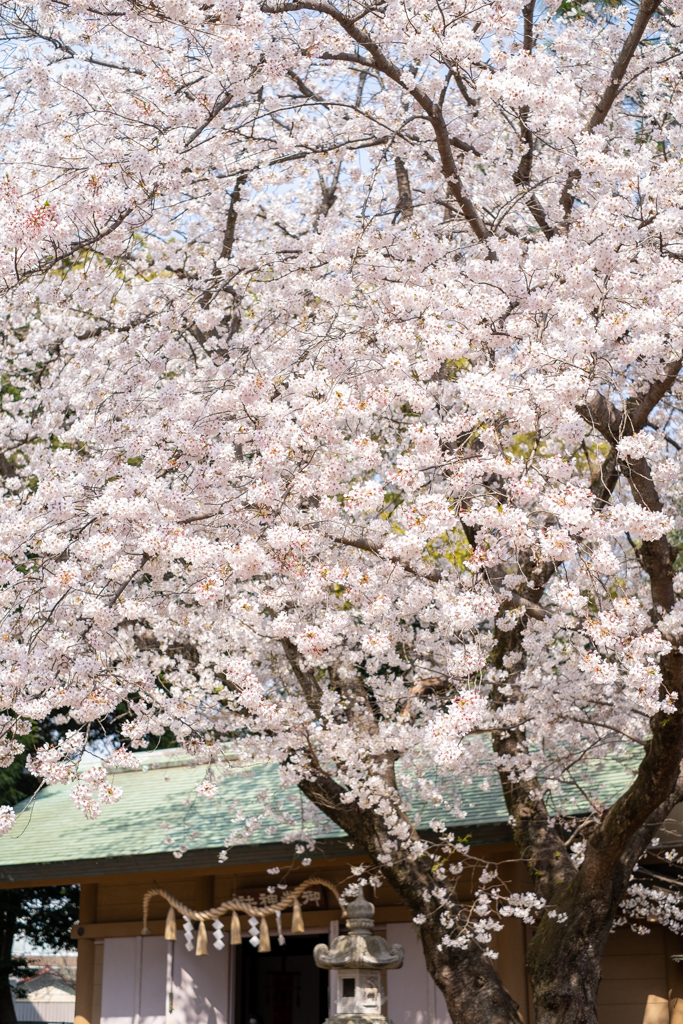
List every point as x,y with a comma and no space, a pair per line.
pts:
7,819
646,905
94,789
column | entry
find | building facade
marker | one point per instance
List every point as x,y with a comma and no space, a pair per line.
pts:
49,994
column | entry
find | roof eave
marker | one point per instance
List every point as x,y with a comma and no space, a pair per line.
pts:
90,869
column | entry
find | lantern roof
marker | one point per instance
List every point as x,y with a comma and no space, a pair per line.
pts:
360,949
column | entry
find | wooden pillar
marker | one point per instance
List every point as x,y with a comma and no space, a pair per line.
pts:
85,976
674,977
510,944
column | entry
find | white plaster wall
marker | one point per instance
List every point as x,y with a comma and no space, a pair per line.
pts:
120,980
134,983
412,996
200,986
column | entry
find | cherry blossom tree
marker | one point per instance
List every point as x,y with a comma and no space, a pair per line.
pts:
341,354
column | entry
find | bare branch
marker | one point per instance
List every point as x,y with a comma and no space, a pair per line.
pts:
380,62
220,104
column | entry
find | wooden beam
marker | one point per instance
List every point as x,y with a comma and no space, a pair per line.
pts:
313,919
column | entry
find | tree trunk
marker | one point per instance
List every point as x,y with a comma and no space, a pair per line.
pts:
564,962
8,927
7,1014
471,986
565,957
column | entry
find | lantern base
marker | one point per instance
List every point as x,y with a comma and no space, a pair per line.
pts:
358,1018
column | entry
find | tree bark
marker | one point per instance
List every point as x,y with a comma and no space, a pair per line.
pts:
8,927
404,205
564,963
565,959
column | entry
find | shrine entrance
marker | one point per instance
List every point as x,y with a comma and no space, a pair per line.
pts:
283,986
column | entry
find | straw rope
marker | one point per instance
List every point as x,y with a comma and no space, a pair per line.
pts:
240,905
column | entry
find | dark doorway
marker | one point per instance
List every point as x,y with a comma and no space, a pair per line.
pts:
283,986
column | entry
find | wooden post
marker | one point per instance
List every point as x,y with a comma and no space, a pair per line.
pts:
170,954
85,977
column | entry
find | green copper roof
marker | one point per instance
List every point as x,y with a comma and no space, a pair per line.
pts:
159,804
160,813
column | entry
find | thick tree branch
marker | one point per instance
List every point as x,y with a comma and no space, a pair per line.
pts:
231,222
611,91
365,545
538,838
220,104
602,108
329,194
659,769
464,146
352,58
615,424
304,89
143,562
304,676
404,206
604,480
522,176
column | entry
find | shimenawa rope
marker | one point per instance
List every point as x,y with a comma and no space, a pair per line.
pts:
239,905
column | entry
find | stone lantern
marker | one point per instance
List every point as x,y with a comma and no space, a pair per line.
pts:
359,957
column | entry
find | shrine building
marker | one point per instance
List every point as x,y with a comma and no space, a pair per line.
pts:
163,835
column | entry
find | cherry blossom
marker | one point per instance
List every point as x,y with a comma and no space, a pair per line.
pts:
341,398
7,819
